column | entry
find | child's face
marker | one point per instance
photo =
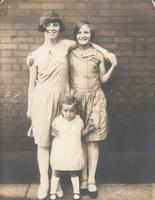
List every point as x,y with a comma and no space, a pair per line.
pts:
84,35
68,112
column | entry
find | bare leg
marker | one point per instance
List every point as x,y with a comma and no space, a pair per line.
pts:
43,163
75,184
93,157
84,172
54,181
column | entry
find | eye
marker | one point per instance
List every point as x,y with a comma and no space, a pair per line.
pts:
48,24
56,24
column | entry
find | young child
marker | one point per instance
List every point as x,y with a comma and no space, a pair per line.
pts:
87,74
67,148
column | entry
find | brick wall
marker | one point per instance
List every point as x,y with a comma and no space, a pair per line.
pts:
126,27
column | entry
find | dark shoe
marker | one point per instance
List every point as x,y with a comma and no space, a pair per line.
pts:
84,187
76,196
93,195
84,191
92,190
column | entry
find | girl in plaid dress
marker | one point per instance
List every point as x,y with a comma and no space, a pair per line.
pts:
87,74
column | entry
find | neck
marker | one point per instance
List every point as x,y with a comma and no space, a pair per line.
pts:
84,47
51,43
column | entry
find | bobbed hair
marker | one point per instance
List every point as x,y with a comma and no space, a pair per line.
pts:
80,24
50,17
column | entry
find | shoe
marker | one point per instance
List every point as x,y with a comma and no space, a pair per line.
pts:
76,196
84,191
84,187
42,191
53,197
92,190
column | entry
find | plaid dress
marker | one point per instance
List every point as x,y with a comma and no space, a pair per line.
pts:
85,82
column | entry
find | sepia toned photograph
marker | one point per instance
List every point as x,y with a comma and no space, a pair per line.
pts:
77,99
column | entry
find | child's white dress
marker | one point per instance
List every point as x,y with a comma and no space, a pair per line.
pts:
67,151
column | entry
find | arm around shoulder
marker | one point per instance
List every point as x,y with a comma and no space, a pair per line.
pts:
107,55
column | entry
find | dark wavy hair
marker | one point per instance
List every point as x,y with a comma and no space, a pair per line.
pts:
50,17
80,24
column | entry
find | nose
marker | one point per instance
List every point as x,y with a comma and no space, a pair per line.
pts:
51,27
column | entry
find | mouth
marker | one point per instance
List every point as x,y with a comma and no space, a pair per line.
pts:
51,32
83,39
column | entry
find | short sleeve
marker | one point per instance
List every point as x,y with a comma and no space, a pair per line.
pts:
30,59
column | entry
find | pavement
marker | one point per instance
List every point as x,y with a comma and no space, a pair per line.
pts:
106,192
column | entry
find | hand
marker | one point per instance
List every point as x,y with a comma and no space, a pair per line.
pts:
112,59
29,60
90,127
55,132
28,114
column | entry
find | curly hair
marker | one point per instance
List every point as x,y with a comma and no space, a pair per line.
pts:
69,100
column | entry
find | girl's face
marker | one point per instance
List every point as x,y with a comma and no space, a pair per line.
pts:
84,35
53,30
68,111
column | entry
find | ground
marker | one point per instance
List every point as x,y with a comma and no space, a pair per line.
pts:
106,192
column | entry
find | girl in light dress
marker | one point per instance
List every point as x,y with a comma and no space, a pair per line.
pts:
67,148
48,67
87,74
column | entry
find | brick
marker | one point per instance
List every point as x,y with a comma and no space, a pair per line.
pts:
22,33
106,33
99,19
98,6
39,40
8,46
6,81
17,12
5,39
6,53
77,6
87,12
20,53
5,26
142,5
6,67
122,20
52,5
7,33
122,6
8,60
22,60
29,6
25,26
23,46
123,40
22,40
35,33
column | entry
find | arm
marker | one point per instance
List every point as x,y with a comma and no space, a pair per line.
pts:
71,44
108,56
32,84
105,76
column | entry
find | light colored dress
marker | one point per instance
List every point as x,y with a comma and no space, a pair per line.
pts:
67,151
52,78
85,81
